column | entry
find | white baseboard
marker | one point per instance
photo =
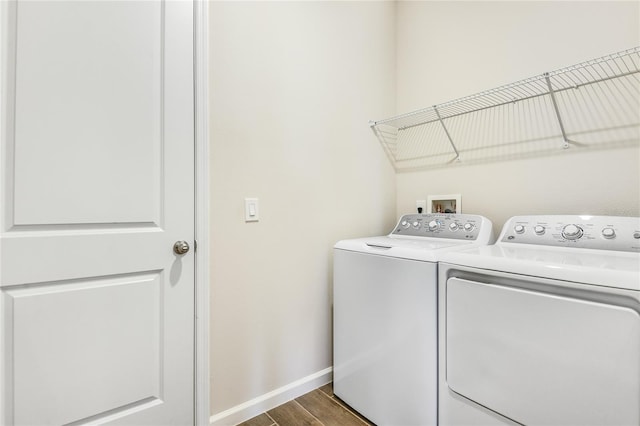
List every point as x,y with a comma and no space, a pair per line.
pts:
255,406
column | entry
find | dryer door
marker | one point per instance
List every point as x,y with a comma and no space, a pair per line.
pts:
543,359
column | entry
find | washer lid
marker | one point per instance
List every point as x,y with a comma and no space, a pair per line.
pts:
597,267
418,248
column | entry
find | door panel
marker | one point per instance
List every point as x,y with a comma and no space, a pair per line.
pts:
97,173
540,358
67,322
71,104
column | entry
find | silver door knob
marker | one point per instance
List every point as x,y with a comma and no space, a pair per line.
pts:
181,247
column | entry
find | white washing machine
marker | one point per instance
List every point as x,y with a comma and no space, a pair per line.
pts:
385,316
543,328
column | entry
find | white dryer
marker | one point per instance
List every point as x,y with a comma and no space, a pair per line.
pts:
385,315
543,328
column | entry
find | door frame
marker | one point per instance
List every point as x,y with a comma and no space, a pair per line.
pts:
201,87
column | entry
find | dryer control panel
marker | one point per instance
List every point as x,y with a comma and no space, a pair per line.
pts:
442,225
594,232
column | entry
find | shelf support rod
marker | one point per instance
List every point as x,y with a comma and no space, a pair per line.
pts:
457,157
565,145
383,141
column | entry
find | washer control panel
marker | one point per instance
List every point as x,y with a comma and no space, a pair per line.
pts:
442,225
594,232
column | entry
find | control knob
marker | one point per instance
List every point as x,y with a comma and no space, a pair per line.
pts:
415,224
453,227
404,224
433,225
608,233
519,229
572,232
539,230
468,227
636,235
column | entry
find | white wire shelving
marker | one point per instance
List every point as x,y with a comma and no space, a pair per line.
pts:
594,104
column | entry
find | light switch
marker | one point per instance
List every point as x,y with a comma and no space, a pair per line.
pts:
251,211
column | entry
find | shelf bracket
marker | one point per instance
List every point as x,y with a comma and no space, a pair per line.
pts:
566,140
383,141
457,157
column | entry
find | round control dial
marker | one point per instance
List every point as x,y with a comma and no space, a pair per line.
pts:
433,225
404,224
453,227
608,233
636,235
415,224
469,227
539,230
572,232
519,229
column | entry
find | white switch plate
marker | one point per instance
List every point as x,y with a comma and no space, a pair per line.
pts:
251,210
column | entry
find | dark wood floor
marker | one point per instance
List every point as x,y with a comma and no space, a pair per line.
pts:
316,408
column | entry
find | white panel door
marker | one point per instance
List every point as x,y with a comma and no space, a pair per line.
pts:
96,162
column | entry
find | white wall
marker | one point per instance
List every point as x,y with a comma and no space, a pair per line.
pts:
447,50
293,85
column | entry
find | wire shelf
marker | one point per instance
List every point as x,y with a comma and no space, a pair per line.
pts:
594,104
